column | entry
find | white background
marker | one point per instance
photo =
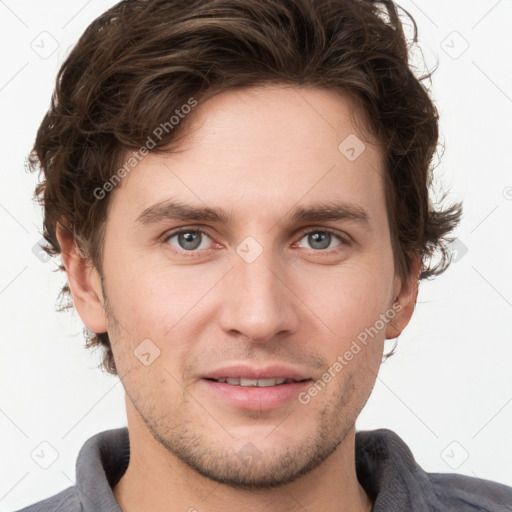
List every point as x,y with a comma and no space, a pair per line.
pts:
447,391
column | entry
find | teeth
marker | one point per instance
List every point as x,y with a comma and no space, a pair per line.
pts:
261,383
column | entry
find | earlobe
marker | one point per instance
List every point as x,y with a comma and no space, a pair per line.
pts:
405,301
84,282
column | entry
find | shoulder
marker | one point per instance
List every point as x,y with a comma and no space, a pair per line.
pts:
470,494
386,468
100,464
65,501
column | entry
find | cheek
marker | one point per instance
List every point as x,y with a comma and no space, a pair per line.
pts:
151,291
346,299
160,303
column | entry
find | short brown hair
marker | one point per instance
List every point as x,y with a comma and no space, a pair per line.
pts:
141,60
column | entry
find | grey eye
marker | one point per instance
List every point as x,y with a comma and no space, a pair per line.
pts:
320,240
188,240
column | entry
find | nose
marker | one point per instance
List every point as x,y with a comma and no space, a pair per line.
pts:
257,301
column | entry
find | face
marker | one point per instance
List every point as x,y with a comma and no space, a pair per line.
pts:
279,277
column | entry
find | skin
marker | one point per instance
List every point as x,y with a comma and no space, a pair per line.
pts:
258,153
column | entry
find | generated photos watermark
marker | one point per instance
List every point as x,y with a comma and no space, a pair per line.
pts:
137,156
342,360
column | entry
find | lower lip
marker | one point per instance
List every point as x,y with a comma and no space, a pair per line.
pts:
254,398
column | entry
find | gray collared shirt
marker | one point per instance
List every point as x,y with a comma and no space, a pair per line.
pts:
385,467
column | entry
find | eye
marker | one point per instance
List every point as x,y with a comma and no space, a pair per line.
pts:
320,239
187,240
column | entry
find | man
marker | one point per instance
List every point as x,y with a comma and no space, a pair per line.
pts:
239,194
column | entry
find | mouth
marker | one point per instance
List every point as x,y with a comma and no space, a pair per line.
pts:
260,383
245,386
245,394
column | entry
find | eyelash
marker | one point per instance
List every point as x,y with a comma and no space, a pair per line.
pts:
345,239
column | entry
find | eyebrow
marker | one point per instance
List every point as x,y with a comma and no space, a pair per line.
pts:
174,210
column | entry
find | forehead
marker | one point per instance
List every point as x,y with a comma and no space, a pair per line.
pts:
261,150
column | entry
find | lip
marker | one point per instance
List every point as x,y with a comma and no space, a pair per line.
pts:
254,398
251,372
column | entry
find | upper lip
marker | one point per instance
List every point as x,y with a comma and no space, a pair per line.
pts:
252,372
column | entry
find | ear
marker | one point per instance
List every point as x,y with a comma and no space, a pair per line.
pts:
84,282
406,294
